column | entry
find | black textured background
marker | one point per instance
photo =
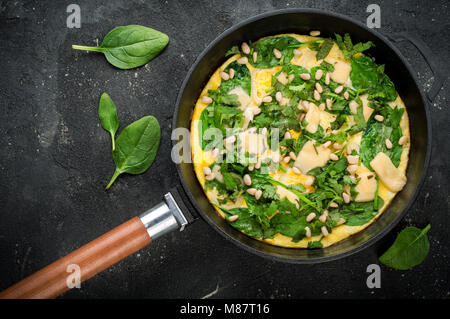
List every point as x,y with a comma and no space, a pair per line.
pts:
55,158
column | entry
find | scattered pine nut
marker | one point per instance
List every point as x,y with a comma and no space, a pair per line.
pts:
329,104
291,77
310,217
247,180
267,99
231,73
346,95
255,56
296,170
388,144
316,95
256,110
402,140
338,89
334,205
305,76
334,157
379,118
308,232
252,191
287,135
277,53
230,140
224,76
278,96
319,87
338,146
251,168
206,170
346,197
297,53
258,194
210,177
327,78
309,181
326,144
245,48
322,106
352,168
324,231
233,218
319,74
243,60
314,33
215,152
323,217
352,159
206,99
286,159
292,156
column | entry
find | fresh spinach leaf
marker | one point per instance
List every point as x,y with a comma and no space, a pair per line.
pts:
264,49
107,113
130,46
409,249
324,49
136,147
347,47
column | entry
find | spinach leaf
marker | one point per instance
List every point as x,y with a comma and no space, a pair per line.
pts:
324,49
347,47
136,147
409,249
367,75
242,78
107,113
130,46
360,213
264,49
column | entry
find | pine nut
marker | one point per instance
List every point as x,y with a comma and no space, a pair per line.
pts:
314,33
231,73
346,95
379,118
352,168
255,56
326,144
247,180
258,194
230,139
258,164
302,116
322,106
245,48
297,53
310,217
278,96
296,170
352,159
338,89
323,217
233,218
319,87
252,191
206,99
251,168
206,170
316,95
277,53
306,105
324,231
334,205
243,60
340,221
291,77
210,177
338,146
308,232
327,78
224,76
267,99
388,144
319,74
286,159
256,110
292,156
287,135
334,157
215,152
346,197
276,157
305,76
309,181
329,103
402,140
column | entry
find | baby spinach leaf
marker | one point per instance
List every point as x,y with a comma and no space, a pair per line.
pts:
409,249
136,147
264,49
324,49
347,47
107,113
130,46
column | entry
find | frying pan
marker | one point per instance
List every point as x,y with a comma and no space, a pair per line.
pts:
187,202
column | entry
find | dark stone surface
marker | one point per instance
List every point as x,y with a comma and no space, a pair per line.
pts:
55,159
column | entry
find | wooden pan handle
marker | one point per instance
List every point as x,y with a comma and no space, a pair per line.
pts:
92,258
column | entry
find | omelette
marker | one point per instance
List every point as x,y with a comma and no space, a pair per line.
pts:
300,141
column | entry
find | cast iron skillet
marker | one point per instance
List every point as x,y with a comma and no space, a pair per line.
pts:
302,21
174,212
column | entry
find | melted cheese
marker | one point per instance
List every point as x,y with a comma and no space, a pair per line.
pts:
243,97
367,110
341,71
312,118
308,158
390,175
366,187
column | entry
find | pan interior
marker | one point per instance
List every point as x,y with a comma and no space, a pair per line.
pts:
301,22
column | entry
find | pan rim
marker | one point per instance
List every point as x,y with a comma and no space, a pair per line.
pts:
386,229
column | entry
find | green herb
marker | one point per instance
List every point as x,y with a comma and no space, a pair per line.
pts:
409,249
349,49
264,49
136,147
130,46
315,244
324,49
108,116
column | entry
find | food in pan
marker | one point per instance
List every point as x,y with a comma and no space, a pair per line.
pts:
300,141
